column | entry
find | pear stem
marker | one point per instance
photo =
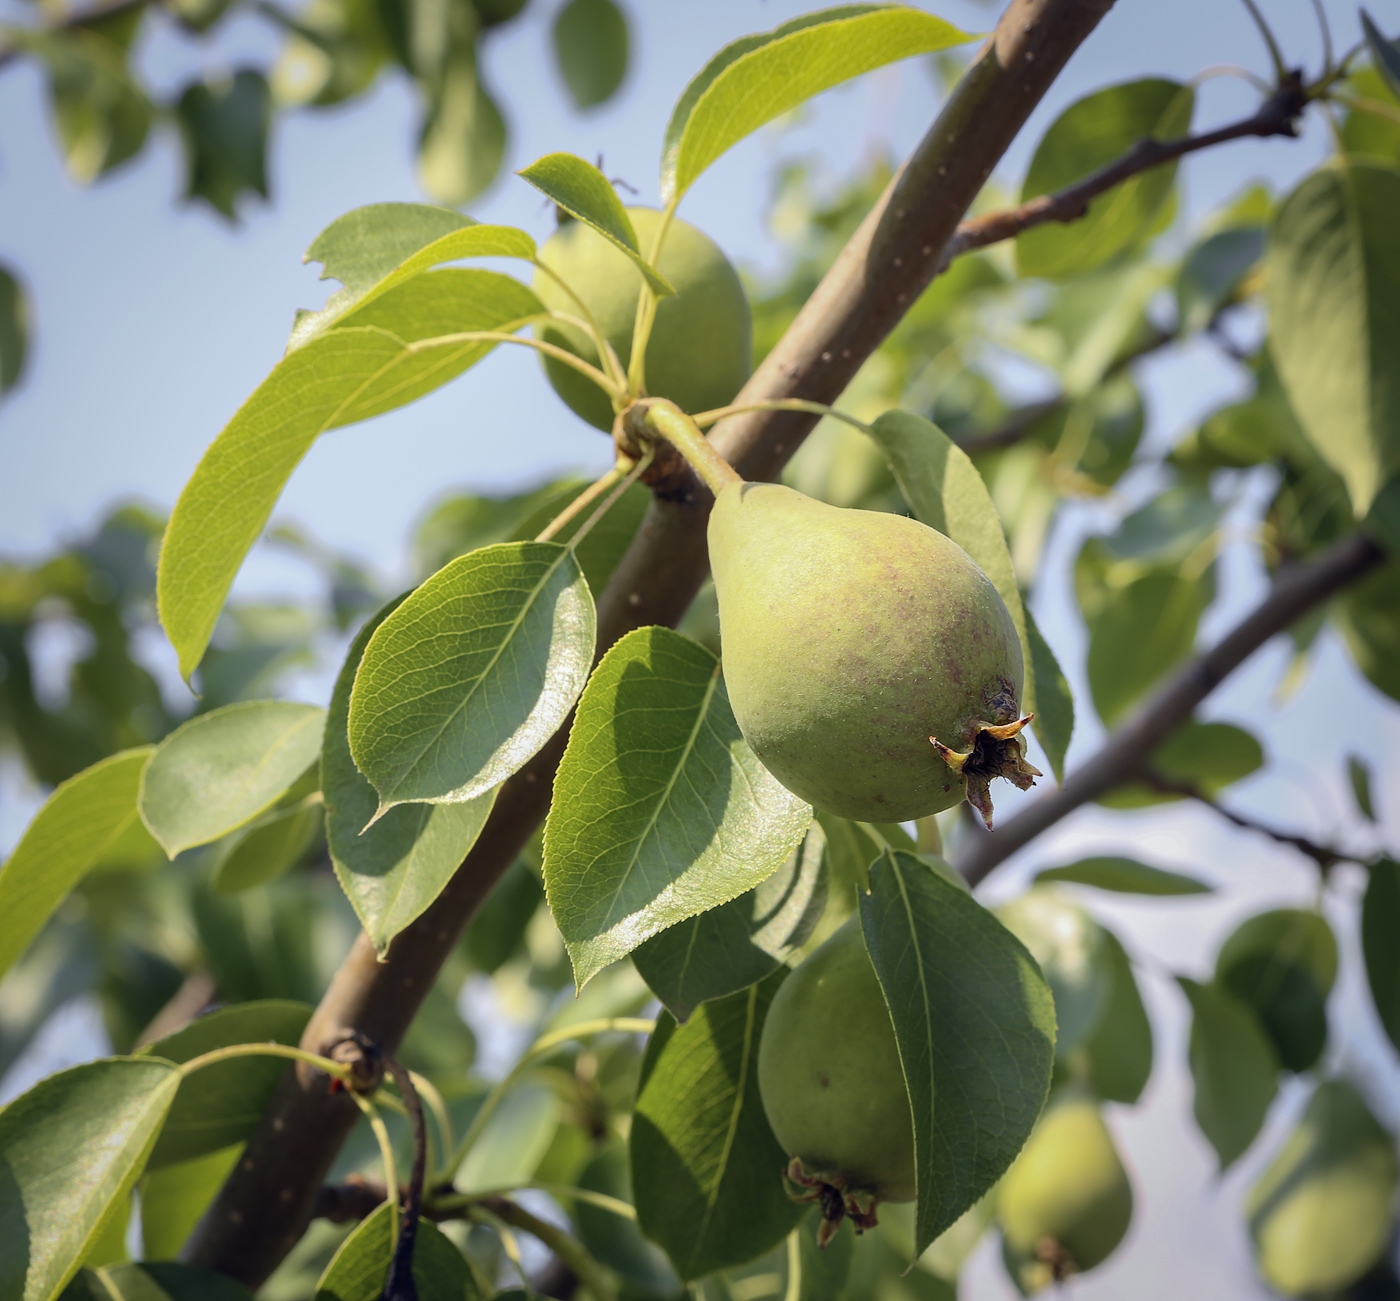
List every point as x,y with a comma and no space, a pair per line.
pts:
667,421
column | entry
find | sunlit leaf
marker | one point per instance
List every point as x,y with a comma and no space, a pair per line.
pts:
661,811
359,1268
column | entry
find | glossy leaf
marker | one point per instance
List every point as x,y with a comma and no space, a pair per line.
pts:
1125,876
706,1169
757,78
583,191
218,1105
1118,1054
395,869
1054,703
1071,951
1234,1067
1322,1212
223,768
380,357
74,1145
975,1025
77,825
465,680
358,1270
271,846
739,942
1090,134
155,1281
174,1198
14,330
661,811
591,46
946,492
376,248
1380,925
1333,289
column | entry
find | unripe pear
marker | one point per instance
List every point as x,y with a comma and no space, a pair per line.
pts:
870,663
1320,1215
1066,1203
833,1087
700,351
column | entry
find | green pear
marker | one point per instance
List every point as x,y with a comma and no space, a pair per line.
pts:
1320,1215
700,351
870,663
832,1084
1066,1203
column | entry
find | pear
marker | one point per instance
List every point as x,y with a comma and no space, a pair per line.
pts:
1066,1203
870,663
700,351
833,1087
1320,1215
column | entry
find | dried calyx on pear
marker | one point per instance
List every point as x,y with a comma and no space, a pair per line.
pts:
871,664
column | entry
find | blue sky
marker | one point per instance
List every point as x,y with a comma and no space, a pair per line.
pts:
155,321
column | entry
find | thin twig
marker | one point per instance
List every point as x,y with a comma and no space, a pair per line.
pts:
1275,54
591,493
399,1286
567,1248
1277,116
1122,757
1325,856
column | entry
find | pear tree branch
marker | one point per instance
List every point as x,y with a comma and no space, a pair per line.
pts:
269,1198
1126,754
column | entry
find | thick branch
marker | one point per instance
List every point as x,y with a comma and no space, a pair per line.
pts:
1125,754
266,1204
1277,116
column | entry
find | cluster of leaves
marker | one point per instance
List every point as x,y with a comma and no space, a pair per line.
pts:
668,844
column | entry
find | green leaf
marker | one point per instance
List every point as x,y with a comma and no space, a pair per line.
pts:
757,78
466,680
514,1141
1384,54
219,1104
591,48
393,870
224,124
1333,289
380,357
1143,631
412,238
1206,756
1125,876
1090,134
1369,617
612,1238
268,848
1069,947
1322,1213
661,811
1234,1067
155,1281
77,825
174,1198
1118,1054
1282,964
706,1169
739,942
1380,924
223,768
1053,702
14,330
73,1146
464,138
358,1270
975,1025
1359,773
582,190
1211,275
946,492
